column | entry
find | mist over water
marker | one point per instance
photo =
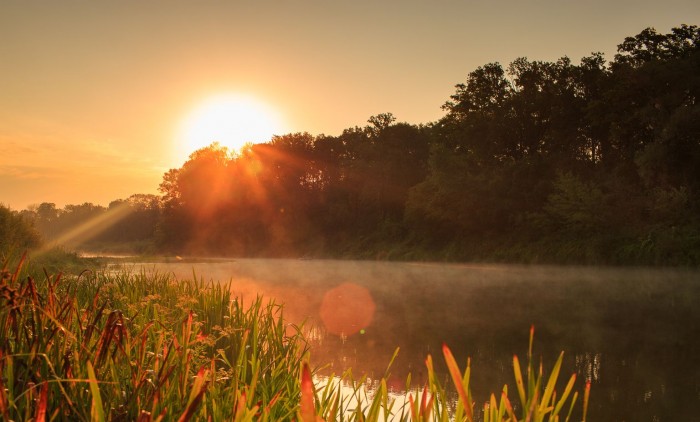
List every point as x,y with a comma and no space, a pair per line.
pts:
634,332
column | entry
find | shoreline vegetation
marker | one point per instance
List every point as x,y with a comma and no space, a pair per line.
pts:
134,346
536,162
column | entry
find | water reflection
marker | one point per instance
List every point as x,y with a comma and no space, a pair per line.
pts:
362,393
588,364
633,332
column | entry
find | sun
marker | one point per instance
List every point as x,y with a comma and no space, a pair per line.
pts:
232,120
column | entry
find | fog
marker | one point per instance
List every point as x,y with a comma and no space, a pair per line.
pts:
632,331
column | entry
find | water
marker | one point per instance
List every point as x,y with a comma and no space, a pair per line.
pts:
634,332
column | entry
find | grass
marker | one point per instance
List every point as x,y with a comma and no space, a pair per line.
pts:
134,346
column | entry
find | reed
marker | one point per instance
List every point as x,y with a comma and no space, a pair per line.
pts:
147,347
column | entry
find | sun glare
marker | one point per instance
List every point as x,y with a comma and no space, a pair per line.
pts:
230,120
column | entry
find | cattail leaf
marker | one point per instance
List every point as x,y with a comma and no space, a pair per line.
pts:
509,407
571,408
457,380
307,410
97,412
564,395
41,406
519,382
586,395
551,383
199,387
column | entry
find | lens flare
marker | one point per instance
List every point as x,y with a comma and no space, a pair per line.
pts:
347,309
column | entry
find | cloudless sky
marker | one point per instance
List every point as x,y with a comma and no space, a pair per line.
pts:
93,93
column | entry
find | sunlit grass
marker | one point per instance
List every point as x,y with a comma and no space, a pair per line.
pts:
145,346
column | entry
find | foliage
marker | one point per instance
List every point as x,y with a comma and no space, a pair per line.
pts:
16,232
103,346
58,259
598,159
132,221
124,346
601,151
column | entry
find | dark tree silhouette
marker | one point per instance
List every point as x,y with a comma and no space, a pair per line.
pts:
535,161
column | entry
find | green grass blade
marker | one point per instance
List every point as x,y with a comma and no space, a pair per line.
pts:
571,407
586,396
565,395
97,413
519,382
551,383
457,380
307,410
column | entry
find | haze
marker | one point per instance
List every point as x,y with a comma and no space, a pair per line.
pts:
93,93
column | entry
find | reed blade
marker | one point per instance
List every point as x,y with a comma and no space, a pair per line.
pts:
97,413
457,380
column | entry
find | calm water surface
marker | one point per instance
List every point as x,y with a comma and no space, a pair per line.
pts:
634,332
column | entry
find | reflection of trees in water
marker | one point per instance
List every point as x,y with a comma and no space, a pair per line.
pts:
634,332
637,347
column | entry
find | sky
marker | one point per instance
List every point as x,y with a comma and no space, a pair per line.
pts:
94,94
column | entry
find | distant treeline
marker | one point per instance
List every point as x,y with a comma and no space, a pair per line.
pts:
596,162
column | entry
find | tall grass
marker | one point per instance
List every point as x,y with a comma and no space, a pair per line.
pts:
135,346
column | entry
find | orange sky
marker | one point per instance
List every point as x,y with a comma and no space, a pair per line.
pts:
93,93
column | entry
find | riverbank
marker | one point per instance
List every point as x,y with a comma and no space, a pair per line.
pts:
110,345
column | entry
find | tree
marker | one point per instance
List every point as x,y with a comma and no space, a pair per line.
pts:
194,197
46,220
138,219
292,182
16,233
649,45
485,91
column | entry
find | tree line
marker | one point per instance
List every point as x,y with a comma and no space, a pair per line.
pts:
595,162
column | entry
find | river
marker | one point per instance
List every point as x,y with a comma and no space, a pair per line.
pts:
633,332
